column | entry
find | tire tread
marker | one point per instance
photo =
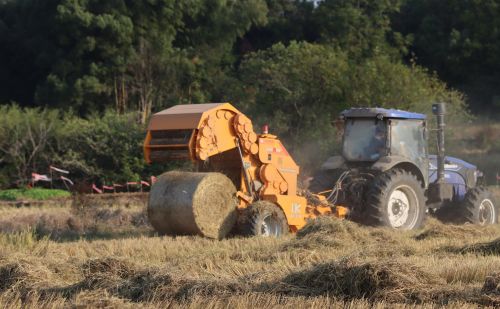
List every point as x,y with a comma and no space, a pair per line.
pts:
375,196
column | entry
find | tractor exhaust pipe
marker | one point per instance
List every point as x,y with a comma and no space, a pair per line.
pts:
439,109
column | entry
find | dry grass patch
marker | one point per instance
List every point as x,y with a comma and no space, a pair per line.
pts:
484,248
330,263
351,279
329,232
91,221
492,284
435,229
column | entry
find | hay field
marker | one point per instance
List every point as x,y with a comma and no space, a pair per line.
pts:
114,261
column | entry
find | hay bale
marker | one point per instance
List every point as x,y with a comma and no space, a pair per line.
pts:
184,203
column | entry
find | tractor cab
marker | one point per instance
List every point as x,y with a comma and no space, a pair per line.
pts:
373,133
379,139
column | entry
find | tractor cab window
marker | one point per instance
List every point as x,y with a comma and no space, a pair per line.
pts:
408,139
365,139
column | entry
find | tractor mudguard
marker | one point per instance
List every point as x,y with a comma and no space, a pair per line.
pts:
388,162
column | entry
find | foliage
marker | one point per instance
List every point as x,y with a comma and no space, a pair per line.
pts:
298,88
454,37
302,87
361,27
460,41
107,148
32,194
26,136
120,54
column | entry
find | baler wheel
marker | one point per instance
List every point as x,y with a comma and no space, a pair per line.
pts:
478,207
395,199
263,218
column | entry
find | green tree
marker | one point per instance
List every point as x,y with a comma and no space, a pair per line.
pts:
301,88
26,52
90,55
26,136
107,147
298,88
460,40
287,20
150,73
361,27
92,45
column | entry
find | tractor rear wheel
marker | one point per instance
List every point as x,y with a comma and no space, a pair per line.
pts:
263,218
395,199
478,207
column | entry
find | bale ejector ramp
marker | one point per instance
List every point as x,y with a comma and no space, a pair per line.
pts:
172,132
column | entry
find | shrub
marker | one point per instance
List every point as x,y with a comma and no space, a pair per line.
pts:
32,194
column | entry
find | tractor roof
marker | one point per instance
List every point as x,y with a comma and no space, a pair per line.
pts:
375,111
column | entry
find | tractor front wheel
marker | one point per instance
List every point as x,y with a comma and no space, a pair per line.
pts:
478,207
263,218
395,199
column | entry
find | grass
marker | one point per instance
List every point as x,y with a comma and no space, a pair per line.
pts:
32,194
86,219
330,263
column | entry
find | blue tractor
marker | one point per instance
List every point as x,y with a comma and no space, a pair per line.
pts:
386,177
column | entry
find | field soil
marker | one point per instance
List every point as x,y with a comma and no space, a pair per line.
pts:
92,255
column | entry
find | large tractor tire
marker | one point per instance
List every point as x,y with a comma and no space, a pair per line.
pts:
263,218
479,208
395,199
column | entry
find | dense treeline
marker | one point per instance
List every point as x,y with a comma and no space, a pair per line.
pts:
107,65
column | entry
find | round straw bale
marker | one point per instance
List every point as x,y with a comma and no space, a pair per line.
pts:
185,203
